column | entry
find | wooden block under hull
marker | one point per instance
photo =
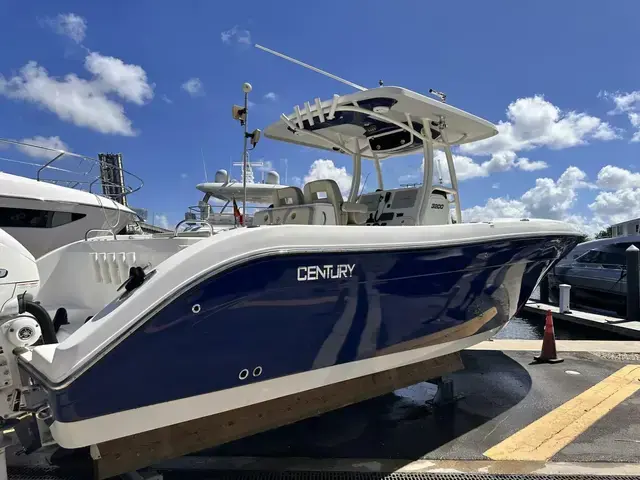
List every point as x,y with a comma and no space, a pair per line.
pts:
131,453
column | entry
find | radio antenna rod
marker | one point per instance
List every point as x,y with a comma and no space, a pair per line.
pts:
311,67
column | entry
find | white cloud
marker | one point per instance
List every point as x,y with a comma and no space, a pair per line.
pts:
556,199
113,75
467,168
410,179
618,206
620,199
626,103
495,185
183,175
553,199
161,220
547,199
271,96
193,87
237,35
166,99
84,103
495,208
611,177
47,142
530,166
535,122
68,24
326,169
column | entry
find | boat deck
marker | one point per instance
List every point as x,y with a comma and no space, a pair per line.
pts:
510,417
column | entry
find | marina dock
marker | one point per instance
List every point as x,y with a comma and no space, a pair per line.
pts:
609,323
582,415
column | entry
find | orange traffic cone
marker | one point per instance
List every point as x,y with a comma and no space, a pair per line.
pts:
548,353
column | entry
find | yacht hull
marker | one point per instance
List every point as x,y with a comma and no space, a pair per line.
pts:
287,323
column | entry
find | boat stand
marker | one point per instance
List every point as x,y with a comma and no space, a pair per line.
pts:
445,396
139,451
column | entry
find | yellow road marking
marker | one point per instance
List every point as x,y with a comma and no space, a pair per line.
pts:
545,437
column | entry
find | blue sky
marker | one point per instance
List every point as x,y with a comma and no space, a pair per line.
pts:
562,82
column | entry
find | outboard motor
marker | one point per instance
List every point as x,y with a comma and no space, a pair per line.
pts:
23,323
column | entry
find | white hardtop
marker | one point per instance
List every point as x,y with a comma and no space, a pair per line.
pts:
347,123
15,186
61,361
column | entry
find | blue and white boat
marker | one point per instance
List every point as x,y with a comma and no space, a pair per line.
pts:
319,290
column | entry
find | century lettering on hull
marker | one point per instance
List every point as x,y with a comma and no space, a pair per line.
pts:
316,272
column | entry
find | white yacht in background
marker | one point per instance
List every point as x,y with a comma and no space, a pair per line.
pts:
225,189
43,215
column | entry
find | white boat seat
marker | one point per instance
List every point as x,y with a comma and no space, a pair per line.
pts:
346,212
314,214
284,197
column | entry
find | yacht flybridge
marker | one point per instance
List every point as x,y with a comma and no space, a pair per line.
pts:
226,189
307,296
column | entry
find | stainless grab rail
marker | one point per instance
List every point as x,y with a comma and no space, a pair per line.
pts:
86,235
202,222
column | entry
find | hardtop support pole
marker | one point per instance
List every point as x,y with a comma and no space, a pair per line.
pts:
357,173
427,179
452,175
376,162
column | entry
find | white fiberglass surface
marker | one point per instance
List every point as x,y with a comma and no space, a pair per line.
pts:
15,186
83,277
462,127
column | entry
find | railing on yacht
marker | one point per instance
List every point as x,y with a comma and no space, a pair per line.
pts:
87,176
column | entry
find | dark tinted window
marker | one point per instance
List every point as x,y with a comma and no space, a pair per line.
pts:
31,218
615,259
590,257
610,258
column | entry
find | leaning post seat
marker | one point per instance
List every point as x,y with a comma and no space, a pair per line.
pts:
284,197
346,212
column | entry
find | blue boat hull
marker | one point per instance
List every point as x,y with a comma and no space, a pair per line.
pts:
286,316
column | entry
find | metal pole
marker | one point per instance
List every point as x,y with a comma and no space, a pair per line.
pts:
633,283
244,151
544,290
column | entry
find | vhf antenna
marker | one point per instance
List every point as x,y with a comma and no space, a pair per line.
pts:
441,95
439,167
311,67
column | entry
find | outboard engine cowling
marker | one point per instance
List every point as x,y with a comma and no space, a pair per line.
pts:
18,274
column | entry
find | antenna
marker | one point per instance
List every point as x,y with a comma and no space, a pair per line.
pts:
364,184
286,171
441,95
204,165
311,67
439,167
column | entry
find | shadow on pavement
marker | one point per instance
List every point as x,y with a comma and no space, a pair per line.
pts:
400,425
